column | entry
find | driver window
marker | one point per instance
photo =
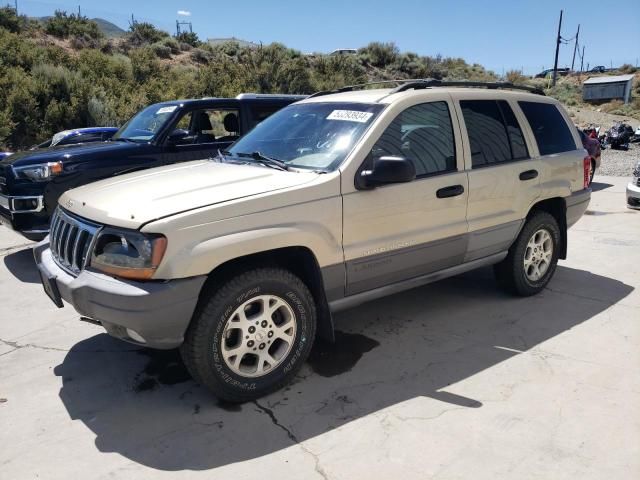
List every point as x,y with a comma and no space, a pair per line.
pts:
208,126
424,134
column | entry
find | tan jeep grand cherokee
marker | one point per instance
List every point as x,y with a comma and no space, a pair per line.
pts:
340,198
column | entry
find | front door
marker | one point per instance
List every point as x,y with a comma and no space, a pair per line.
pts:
400,231
199,134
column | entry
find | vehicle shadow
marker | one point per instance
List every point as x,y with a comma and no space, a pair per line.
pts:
597,186
22,266
142,404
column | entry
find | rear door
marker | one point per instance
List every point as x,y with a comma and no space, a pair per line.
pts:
504,178
560,150
399,231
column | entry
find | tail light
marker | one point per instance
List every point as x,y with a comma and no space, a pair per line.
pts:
586,164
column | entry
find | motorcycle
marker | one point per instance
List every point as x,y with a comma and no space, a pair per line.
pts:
619,135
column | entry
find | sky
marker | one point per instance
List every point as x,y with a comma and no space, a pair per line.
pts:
499,34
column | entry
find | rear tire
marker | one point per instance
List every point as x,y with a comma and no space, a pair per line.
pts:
250,336
592,172
533,257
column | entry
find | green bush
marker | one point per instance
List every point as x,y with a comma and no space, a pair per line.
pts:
143,33
190,38
161,50
172,43
379,54
62,25
9,20
627,68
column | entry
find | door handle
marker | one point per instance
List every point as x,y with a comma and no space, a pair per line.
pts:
452,191
528,175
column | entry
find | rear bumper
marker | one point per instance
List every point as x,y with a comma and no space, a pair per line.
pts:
633,196
577,204
158,313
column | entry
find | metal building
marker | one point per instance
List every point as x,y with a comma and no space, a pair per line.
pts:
616,87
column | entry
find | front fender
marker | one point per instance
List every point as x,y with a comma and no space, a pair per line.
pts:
203,257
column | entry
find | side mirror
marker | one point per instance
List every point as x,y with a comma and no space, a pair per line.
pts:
388,170
177,136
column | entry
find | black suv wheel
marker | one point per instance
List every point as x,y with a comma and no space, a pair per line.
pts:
250,336
533,258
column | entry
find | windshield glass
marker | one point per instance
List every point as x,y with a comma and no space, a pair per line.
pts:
316,136
145,124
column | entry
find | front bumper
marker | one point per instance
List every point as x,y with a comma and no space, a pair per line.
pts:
22,204
25,214
633,195
153,314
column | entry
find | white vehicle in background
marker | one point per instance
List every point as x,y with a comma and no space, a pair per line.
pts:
633,189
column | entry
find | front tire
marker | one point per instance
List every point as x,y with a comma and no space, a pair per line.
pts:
533,258
250,336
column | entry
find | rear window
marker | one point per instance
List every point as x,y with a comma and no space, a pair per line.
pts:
549,127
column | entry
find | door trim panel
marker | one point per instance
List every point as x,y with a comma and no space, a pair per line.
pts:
357,299
488,241
371,271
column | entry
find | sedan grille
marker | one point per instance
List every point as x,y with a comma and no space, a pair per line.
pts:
71,239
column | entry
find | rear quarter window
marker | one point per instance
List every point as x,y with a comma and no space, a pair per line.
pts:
549,127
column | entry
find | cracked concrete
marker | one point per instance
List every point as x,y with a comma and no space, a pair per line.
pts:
464,382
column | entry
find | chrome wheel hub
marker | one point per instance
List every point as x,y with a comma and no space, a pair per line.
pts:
538,255
258,335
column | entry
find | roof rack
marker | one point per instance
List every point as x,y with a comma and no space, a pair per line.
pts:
429,82
418,83
350,88
269,95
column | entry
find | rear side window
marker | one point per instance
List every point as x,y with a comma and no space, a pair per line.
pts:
549,127
494,134
422,133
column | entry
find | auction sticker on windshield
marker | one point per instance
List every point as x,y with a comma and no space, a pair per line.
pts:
166,109
350,116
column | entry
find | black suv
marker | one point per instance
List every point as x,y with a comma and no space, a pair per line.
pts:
31,182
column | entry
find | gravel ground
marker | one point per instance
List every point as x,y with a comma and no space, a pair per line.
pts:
616,163
619,163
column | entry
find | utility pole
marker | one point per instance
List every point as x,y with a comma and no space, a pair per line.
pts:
575,47
582,59
555,62
79,13
16,4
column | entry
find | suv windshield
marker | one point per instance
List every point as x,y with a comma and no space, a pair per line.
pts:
145,124
316,136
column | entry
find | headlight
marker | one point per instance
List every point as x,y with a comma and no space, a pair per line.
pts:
128,254
39,173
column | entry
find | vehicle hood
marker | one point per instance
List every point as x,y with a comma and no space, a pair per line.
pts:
69,153
137,198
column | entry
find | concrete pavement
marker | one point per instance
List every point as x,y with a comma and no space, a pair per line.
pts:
453,380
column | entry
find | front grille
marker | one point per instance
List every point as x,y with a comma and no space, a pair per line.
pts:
71,239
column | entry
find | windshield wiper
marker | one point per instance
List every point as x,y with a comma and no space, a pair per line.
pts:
265,160
219,156
122,139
